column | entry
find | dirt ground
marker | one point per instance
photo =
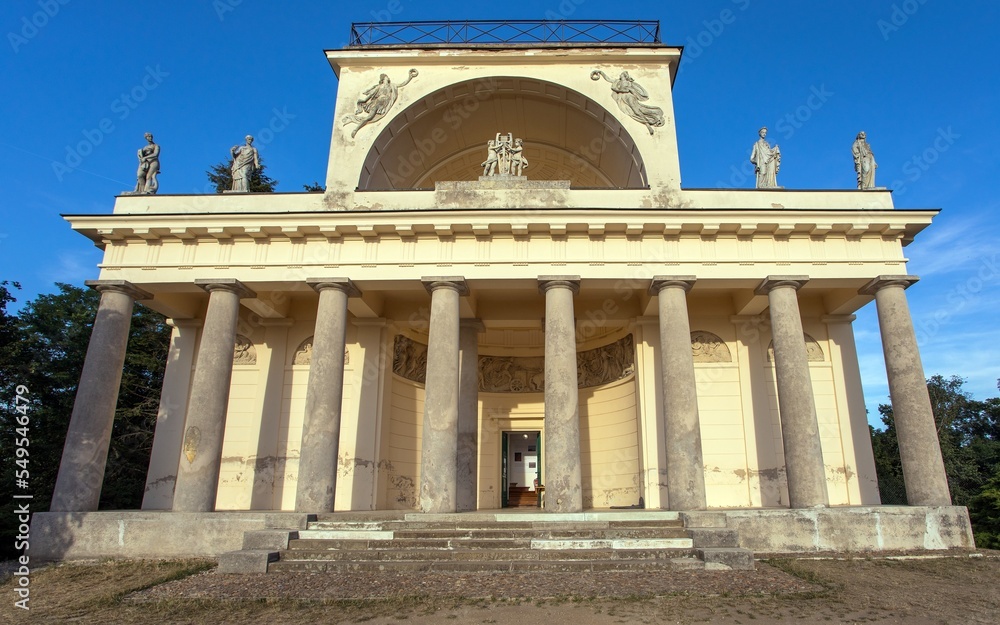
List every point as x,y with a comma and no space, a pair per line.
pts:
913,591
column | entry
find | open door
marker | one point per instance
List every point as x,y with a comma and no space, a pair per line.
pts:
504,470
520,469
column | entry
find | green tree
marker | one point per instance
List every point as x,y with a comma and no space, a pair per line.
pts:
53,332
221,175
968,434
984,512
315,187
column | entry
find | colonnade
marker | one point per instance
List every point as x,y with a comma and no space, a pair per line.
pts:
448,480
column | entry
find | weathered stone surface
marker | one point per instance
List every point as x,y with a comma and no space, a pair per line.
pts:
468,415
919,450
728,558
81,471
563,490
246,561
796,405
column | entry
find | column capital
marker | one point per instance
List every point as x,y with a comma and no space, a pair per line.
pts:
659,283
776,282
881,282
119,286
226,284
455,283
475,324
566,282
342,284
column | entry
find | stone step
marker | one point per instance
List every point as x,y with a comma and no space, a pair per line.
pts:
422,543
493,566
595,533
472,525
486,555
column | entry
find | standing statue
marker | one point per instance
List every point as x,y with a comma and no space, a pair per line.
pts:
245,162
517,161
766,161
492,158
376,102
630,97
149,167
864,161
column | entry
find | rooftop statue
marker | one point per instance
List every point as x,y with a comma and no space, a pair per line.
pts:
376,102
766,161
504,156
245,162
149,167
630,97
864,161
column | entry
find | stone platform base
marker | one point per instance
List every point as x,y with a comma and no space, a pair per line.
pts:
135,534
868,529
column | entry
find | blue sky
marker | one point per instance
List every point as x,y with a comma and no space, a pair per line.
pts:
82,83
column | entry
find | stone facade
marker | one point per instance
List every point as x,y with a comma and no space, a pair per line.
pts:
689,349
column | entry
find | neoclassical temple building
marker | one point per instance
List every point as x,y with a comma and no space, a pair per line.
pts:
505,297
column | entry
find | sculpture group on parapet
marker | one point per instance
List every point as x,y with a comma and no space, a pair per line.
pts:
375,103
504,156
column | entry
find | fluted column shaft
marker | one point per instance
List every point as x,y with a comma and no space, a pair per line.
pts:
317,483
85,454
201,452
681,426
439,447
563,474
919,449
804,467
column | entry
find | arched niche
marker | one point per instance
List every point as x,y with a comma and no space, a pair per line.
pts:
442,137
814,352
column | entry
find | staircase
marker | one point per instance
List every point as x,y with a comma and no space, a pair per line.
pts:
515,541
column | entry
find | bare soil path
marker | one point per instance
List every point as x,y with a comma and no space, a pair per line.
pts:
913,591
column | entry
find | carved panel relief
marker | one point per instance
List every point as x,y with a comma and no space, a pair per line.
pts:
303,355
708,347
813,350
524,374
244,353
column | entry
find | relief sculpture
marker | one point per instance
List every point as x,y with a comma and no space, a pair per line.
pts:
813,350
708,347
524,374
244,353
303,355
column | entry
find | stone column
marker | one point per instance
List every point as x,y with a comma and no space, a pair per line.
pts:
468,415
804,467
682,429
317,484
85,454
201,453
166,454
563,476
439,449
919,449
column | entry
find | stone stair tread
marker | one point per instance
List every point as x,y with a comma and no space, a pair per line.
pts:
487,566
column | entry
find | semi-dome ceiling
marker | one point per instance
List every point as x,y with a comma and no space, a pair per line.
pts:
443,136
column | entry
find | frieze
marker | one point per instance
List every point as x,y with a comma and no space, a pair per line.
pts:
524,374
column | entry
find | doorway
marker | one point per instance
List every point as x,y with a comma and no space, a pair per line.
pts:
521,470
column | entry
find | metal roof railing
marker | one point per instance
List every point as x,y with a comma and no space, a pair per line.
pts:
505,32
